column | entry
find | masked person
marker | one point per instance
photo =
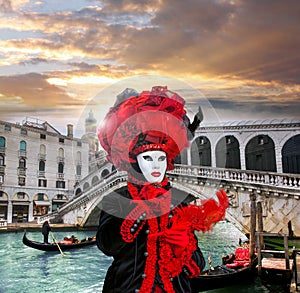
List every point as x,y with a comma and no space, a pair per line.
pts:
148,226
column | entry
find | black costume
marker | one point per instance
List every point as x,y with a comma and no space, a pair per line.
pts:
126,273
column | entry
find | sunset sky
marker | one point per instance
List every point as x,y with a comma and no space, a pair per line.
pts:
59,58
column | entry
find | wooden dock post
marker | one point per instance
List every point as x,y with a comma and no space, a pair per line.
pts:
286,251
252,227
260,225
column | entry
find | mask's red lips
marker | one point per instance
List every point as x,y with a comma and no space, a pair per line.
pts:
155,174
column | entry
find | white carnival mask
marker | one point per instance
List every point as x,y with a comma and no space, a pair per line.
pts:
153,165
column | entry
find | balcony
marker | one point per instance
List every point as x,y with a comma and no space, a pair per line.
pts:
77,177
22,154
2,150
41,174
41,157
2,169
21,171
61,160
60,176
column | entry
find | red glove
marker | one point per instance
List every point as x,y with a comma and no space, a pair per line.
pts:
178,238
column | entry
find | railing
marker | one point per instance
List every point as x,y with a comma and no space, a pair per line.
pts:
2,150
60,159
21,171
41,173
2,169
3,223
77,177
244,176
42,157
60,176
22,154
259,236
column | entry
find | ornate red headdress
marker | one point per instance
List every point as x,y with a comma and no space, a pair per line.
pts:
152,120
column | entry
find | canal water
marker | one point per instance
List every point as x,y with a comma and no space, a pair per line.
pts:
26,270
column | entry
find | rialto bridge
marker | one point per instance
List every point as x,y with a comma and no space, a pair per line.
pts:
257,160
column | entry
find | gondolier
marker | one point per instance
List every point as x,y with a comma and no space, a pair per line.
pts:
45,231
148,226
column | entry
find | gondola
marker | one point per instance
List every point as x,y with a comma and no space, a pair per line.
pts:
219,277
64,245
235,269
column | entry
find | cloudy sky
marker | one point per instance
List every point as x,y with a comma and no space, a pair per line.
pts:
59,59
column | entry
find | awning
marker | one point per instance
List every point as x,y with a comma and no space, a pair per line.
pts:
42,203
20,203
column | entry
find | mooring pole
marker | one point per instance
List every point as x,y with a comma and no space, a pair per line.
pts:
260,225
252,227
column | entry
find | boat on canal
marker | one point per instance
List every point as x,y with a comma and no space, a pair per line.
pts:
235,269
66,244
221,276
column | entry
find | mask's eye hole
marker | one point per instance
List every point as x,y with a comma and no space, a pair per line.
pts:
162,158
147,158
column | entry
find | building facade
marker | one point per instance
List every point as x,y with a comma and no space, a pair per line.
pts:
39,167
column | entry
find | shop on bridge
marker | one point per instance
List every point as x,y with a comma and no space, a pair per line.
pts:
259,153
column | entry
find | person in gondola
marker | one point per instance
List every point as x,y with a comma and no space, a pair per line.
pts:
45,231
148,227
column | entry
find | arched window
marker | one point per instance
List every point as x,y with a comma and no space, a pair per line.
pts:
41,165
22,163
60,168
78,156
22,145
2,160
42,149
61,152
78,170
2,141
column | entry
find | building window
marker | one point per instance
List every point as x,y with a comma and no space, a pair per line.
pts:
21,181
42,183
22,163
42,136
78,170
23,131
22,145
61,140
2,141
60,184
7,127
61,168
41,166
21,195
40,196
79,143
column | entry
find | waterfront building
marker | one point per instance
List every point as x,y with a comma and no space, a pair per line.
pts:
39,167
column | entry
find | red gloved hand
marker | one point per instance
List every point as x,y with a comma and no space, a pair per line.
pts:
178,238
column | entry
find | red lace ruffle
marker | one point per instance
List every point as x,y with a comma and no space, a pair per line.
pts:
191,218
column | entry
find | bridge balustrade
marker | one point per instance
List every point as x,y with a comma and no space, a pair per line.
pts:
242,176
